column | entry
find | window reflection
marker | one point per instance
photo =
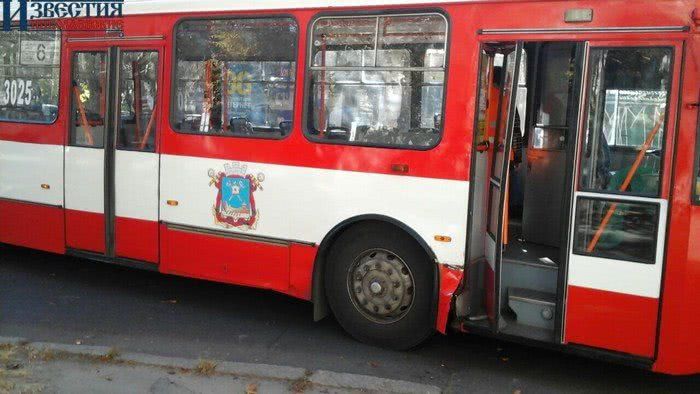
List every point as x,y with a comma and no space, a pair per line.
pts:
138,91
629,233
378,80
29,75
628,98
235,76
88,92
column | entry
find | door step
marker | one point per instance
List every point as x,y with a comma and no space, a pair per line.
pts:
532,307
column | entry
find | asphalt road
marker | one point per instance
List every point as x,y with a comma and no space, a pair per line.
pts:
45,297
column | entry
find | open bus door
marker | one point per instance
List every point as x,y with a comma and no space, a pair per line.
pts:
597,154
499,75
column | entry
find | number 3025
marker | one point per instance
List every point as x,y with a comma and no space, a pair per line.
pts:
18,92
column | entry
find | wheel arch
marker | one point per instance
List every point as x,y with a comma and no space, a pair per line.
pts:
318,295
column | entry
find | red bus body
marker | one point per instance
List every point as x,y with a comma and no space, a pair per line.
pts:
656,330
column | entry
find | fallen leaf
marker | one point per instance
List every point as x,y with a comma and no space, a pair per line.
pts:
251,388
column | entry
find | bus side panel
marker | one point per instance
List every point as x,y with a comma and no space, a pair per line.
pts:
85,231
450,279
31,194
136,205
679,343
32,226
136,239
301,268
626,324
84,196
224,259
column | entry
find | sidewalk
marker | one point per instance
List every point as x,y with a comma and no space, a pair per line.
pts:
37,367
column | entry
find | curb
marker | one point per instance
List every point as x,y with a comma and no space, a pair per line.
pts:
324,378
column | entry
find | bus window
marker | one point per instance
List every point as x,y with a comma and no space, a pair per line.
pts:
377,81
89,103
627,106
137,100
235,76
622,153
29,76
630,233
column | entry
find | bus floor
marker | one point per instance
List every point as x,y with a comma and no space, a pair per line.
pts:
520,251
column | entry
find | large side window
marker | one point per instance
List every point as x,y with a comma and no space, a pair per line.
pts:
377,80
235,76
29,75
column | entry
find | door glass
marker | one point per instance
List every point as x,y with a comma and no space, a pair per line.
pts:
628,96
138,73
88,96
616,230
485,74
503,116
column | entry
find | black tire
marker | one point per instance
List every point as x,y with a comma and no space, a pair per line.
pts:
415,325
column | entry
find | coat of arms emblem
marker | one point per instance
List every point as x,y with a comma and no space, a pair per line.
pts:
235,200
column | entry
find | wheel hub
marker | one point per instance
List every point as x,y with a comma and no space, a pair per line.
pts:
381,286
375,287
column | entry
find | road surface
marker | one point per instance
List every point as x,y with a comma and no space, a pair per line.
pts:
45,297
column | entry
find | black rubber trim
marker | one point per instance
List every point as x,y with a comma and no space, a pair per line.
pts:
120,261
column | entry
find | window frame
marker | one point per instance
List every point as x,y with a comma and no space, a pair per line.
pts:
667,119
58,87
614,200
309,69
173,72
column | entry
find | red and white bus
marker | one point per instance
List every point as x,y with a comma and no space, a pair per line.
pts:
520,169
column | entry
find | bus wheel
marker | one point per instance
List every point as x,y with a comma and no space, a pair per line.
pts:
379,284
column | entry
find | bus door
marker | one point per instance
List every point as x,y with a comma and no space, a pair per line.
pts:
621,196
111,159
509,55
528,200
